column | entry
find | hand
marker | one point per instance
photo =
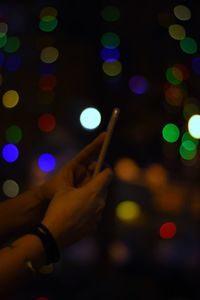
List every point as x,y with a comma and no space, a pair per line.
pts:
76,172
74,212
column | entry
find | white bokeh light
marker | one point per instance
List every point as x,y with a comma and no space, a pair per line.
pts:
10,188
194,126
90,118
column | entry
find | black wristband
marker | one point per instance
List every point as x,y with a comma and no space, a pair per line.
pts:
48,241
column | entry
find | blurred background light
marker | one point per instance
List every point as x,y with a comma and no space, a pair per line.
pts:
110,40
177,31
110,54
48,11
48,23
3,29
186,153
47,69
2,58
138,84
174,95
10,99
188,45
13,134
10,153
126,169
128,211
112,68
168,230
110,13
119,253
155,176
13,62
90,118
194,126
49,55
170,133
47,82
174,75
188,138
46,162
182,12
12,44
47,122
3,40
10,188
196,64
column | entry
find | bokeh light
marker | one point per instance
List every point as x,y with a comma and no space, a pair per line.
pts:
48,11
196,64
138,84
47,82
2,58
194,126
10,99
90,118
168,230
119,253
112,68
110,13
170,133
110,54
174,75
174,95
3,29
177,32
188,45
10,153
187,137
46,162
186,153
13,134
12,44
13,62
126,169
110,40
182,12
46,122
48,23
47,69
49,55
10,188
155,176
3,40
128,211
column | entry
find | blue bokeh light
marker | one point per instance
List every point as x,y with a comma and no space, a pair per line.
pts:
2,58
10,153
13,62
46,69
196,65
46,162
138,84
110,54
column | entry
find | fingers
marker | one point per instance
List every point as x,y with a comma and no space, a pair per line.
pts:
86,155
100,182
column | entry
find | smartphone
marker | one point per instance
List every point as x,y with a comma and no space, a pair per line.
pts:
104,148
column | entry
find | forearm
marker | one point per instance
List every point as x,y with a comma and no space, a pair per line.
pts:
13,262
20,213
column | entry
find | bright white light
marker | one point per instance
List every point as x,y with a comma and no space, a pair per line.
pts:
90,118
194,126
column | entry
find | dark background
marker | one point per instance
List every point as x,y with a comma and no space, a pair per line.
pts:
151,268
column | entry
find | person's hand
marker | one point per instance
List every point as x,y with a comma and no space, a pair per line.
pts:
77,171
74,212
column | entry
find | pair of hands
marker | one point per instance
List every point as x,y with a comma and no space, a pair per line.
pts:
77,198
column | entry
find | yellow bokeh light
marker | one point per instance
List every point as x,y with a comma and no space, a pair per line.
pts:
182,12
113,68
126,169
49,54
177,32
194,126
155,176
128,211
10,188
10,99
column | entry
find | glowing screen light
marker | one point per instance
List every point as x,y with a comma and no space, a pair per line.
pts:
177,32
196,65
112,68
110,13
110,40
10,153
46,162
13,134
10,188
47,122
138,84
182,12
128,211
90,118
188,45
194,126
168,230
110,54
170,133
49,55
10,99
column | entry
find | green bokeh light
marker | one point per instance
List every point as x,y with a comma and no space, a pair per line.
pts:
171,76
171,133
187,154
13,134
48,23
187,137
12,45
110,40
188,45
3,40
110,13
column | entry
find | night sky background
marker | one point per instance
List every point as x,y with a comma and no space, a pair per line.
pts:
131,259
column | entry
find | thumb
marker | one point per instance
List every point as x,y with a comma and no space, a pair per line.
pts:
100,181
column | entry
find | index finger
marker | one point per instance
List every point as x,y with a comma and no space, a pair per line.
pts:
86,155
